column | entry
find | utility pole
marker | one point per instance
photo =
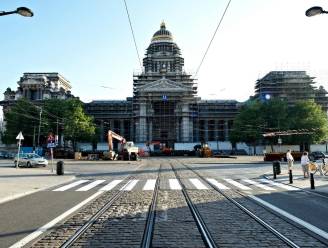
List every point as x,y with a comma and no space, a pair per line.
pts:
39,127
57,133
34,138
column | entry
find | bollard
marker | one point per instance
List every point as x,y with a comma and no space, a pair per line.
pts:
312,181
290,177
276,169
60,168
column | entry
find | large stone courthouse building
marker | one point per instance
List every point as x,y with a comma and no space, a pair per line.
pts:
164,107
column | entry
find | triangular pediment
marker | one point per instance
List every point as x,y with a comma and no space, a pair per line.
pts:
164,85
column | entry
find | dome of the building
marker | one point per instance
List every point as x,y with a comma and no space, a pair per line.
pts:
162,35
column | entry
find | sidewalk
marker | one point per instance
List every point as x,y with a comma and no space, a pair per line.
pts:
15,183
320,182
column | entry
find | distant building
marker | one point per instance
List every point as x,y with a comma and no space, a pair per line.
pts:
165,107
38,87
291,86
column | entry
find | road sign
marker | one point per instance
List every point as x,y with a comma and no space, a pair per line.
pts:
20,136
51,145
279,141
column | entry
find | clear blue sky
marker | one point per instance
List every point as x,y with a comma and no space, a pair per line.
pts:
90,43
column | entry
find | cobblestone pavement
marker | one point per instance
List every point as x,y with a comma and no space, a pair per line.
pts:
231,225
174,226
122,225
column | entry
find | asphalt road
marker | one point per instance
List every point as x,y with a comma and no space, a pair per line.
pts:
23,216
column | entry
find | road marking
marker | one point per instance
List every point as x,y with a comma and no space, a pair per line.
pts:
71,185
217,184
52,223
111,185
150,184
292,217
281,185
197,183
263,186
90,185
174,184
130,185
239,185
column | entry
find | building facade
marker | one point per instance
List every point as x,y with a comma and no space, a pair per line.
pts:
37,87
164,107
291,86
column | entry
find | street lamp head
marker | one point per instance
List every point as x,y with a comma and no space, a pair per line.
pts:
23,11
316,10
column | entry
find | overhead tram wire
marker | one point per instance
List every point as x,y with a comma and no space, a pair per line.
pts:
134,38
208,47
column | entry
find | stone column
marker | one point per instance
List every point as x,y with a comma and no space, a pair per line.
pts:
28,94
185,127
150,130
196,132
122,127
101,131
177,129
226,130
132,130
142,125
206,130
216,129
111,125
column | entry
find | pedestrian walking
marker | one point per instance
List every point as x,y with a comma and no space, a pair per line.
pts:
305,164
290,159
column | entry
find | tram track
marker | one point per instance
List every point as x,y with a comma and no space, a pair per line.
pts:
75,231
203,229
288,241
211,213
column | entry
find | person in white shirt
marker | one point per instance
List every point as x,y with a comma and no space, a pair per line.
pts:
290,160
305,164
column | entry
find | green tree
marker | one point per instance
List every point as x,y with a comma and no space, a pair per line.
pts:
66,116
275,115
77,125
248,124
256,118
307,115
22,116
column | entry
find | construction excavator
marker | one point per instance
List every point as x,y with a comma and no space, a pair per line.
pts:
128,150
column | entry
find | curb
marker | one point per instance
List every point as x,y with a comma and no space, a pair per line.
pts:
19,195
324,195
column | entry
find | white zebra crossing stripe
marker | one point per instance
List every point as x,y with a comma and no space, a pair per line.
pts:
91,185
217,184
111,185
71,185
262,186
150,184
280,185
130,185
197,183
174,184
238,185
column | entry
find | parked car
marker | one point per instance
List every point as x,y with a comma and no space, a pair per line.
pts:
30,160
316,155
6,155
2,154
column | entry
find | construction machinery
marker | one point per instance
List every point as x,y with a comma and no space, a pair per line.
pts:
128,151
205,151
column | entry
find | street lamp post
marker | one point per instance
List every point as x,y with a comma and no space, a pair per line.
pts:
316,10
23,11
